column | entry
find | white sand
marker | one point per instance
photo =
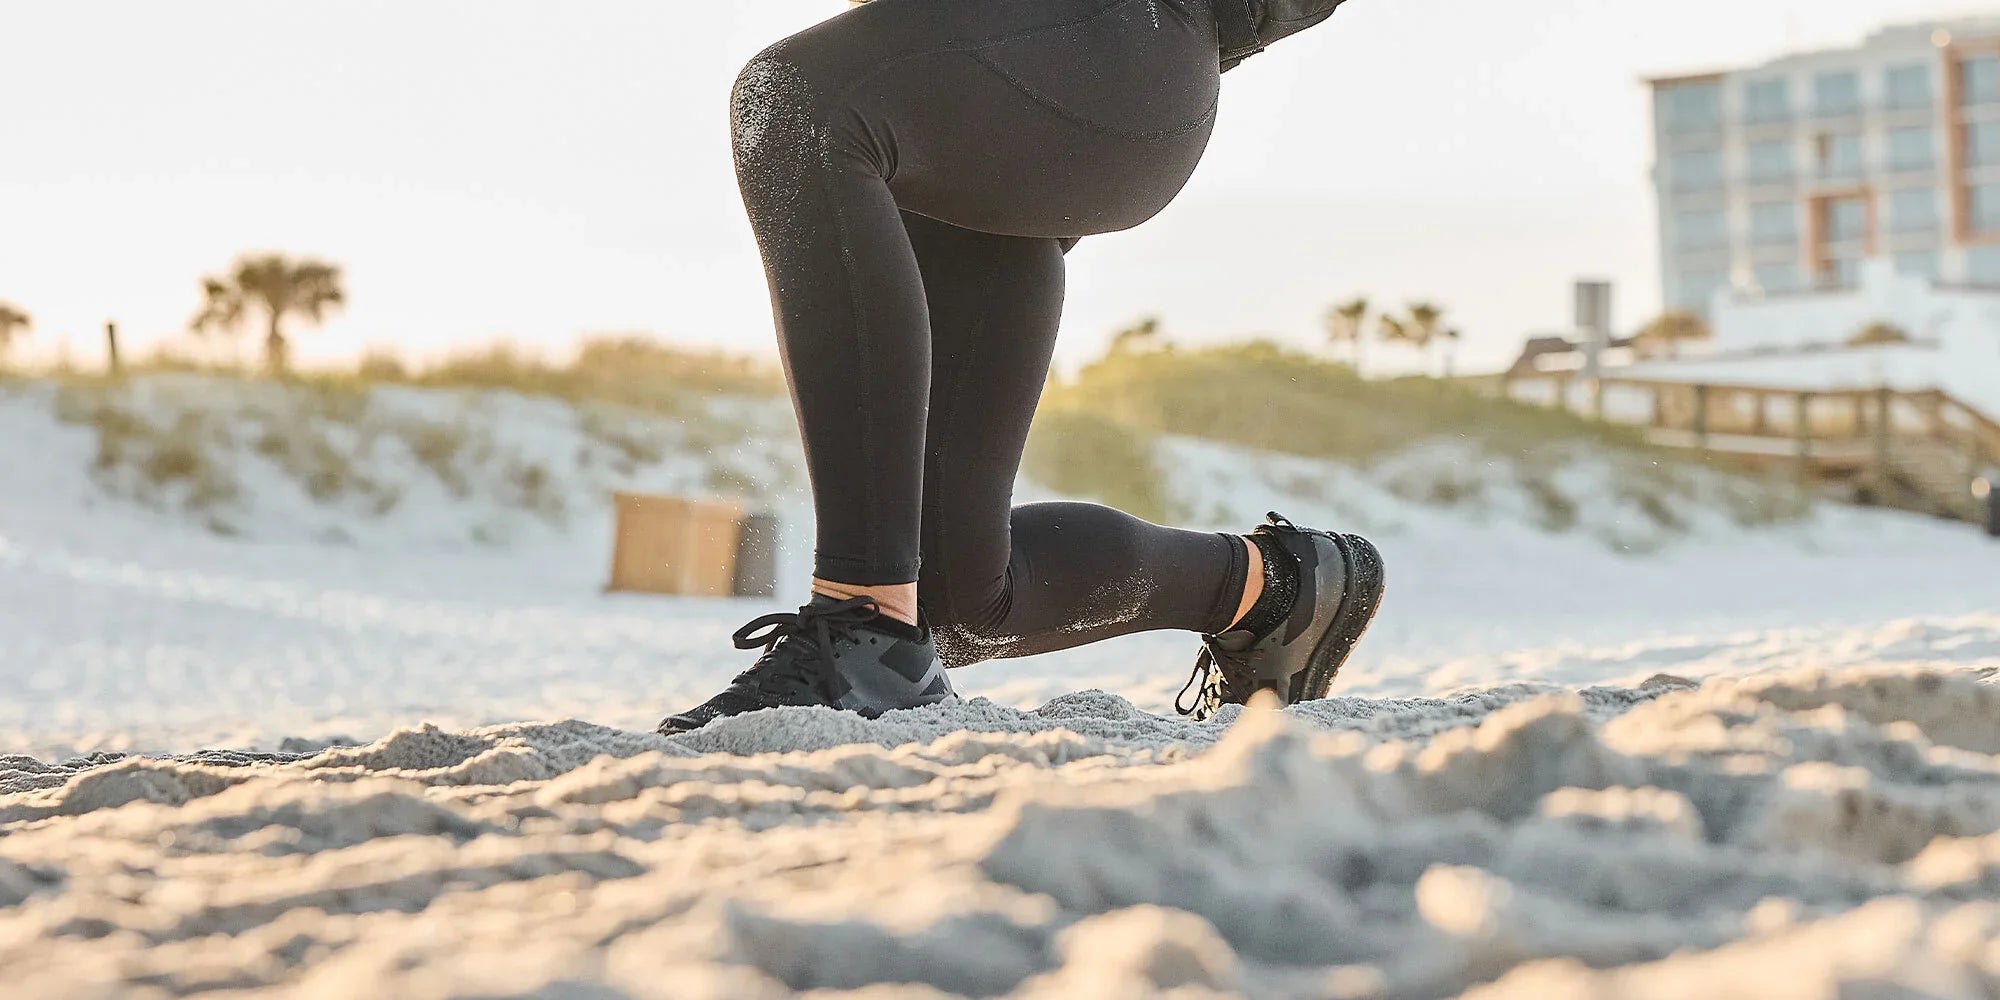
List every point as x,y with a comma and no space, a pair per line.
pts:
1817,819
1786,835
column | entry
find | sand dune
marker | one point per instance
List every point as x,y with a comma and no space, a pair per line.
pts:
1780,835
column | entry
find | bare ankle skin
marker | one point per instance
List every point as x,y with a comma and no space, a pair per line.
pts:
1253,584
897,600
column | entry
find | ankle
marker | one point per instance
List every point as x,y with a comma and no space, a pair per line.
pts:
1278,588
895,600
1253,579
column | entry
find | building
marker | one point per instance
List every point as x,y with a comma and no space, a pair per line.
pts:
1781,179
1960,323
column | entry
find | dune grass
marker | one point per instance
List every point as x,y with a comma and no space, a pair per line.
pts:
1097,431
1261,395
639,403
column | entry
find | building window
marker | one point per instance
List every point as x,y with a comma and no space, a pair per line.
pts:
1913,210
1698,287
1771,161
1837,93
1908,87
1767,101
1695,171
1702,230
1979,80
1777,279
1839,156
1912,149
1774,222
1691,107
1982,266
1919,264
1844,220
1982,204
1840,272
1982,144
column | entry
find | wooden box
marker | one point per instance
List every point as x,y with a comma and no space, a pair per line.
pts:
675,545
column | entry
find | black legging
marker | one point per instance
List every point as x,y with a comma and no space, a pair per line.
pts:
915,171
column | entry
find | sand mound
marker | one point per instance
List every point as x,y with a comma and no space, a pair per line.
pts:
1786,835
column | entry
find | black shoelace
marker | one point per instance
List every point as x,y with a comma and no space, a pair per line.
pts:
795,643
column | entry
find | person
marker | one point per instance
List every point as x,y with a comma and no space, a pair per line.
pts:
914,172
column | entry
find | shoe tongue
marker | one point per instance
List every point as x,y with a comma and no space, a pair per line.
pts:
1237,641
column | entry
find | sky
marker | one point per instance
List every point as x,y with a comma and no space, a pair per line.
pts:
533,171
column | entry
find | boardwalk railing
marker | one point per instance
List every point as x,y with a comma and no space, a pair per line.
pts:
1922,450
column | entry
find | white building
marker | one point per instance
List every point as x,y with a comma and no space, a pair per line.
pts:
1797,341
1784,177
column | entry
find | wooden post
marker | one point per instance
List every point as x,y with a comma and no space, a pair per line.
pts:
1880,434
1659,407
757,556
111,347
1974,454
1931,405
1802,429
1701,418
1760,424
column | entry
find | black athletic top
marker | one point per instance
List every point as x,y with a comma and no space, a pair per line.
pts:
1244,27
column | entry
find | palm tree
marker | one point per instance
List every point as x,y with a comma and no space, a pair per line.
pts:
1425,325
1668,331
1393,330
277,285
1879,333
1140,336
13,320
1450,339
1344,324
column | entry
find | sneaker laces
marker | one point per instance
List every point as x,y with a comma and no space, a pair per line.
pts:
794,643
1212,671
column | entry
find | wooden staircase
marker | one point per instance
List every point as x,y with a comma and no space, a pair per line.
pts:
1934,478
1922,451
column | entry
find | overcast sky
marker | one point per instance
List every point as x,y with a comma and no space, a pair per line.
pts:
535,170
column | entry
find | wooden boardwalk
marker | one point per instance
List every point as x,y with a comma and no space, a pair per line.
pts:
1924,451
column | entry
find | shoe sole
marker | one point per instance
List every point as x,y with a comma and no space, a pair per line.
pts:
1359,601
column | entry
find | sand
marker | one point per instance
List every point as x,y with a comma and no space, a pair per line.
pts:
1590,763
1805,833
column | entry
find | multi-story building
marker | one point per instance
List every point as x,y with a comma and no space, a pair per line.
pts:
1781,179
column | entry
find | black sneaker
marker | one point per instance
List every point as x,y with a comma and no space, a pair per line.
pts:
1340,586
832,653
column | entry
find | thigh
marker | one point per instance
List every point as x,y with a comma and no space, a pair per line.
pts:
995,304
